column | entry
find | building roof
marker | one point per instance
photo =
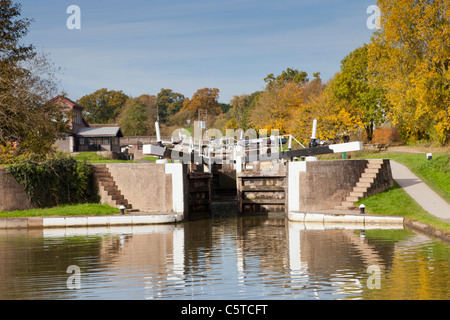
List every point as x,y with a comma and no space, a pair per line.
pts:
103,125
92,132
68,101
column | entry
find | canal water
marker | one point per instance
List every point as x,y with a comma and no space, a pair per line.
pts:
226,257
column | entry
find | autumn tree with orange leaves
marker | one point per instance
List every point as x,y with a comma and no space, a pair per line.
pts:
206,99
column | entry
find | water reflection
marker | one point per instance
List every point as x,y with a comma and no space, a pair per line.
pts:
224,258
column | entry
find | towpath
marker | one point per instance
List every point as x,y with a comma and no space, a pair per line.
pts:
419,191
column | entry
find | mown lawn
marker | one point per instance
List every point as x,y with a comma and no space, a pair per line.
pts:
93,157
397,202
153,159
92,209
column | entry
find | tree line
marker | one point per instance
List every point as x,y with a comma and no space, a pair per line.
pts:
400,79
137,115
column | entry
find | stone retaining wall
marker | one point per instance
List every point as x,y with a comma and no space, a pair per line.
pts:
152,187
323,185
12,195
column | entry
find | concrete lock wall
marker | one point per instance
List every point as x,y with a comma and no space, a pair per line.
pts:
12,195
152,187
161,188
323,185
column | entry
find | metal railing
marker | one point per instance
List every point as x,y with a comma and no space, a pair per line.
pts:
236,149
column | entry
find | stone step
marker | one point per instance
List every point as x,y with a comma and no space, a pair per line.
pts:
112,189
97,166
366,179
100,175
120,200
346,206
113,193
123,203
105,179
351,199
108,183
127,206
368,175
101,172
363,184
357,194
360,189
100,168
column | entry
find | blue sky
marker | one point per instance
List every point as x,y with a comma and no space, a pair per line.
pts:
142,46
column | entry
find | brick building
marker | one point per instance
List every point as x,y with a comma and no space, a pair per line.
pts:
85,137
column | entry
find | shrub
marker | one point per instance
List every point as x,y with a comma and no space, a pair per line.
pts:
387,136
56,181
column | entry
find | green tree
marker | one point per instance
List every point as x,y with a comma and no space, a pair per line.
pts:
225,107
241,109
27,83
12,29
169,103
138,116
239,104
103,105
289,75
352,85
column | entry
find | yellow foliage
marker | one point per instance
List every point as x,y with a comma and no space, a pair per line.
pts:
289,109
334,117
410,58
232,124
275,107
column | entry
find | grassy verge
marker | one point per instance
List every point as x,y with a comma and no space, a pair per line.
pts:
397,202
93,157
153,159
92,209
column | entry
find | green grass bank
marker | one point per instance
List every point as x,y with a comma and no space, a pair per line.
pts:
91,209
93,157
